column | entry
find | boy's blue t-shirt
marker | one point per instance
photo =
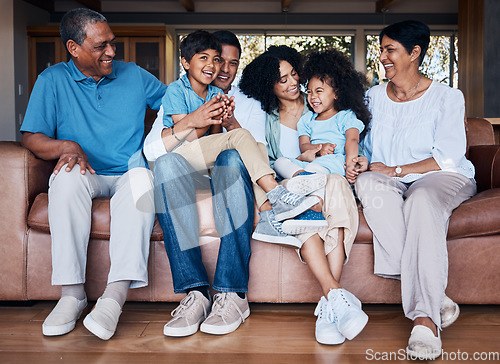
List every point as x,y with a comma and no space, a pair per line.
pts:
331,130
180,98
105,118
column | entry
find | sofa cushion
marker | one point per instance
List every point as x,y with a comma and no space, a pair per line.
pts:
478,216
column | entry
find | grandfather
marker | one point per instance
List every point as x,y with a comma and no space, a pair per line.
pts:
88,114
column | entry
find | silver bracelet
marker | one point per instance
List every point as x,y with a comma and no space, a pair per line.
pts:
175,136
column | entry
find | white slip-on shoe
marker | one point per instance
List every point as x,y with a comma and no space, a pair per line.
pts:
326,331
103,318
423,345
63,317
449,312
188,316
229,311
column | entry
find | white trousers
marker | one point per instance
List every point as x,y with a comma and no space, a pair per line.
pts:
409,222
132,219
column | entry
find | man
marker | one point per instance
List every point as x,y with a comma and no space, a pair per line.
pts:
175,185
88,114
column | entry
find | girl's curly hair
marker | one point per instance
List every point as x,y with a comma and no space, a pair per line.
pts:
334,68
260,76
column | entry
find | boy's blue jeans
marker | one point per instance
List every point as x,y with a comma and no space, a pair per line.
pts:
176,183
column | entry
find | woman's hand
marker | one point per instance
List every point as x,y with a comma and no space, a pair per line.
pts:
382,168
327,148
310,154
354,167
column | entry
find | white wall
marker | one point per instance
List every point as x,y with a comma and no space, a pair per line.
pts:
7,101
24,15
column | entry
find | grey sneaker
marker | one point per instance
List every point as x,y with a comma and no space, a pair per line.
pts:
270,231
187,317
103,318
350,318
287,204
229,311
63,317
306,182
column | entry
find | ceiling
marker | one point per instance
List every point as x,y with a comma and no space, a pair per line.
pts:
256,6
263,14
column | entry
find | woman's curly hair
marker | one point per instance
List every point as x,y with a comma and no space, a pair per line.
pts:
260,76
333,67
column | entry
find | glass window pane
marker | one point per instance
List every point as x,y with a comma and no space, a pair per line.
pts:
306,43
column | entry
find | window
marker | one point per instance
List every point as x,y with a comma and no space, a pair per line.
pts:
253,45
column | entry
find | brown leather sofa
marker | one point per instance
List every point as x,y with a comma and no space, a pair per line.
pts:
276,274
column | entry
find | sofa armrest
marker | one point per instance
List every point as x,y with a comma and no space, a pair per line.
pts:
22,178
486,160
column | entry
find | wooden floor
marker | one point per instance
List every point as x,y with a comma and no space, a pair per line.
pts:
274,333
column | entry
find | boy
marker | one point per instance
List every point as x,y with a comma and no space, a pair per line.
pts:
193,108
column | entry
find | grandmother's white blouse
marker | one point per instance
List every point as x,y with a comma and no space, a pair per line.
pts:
402,133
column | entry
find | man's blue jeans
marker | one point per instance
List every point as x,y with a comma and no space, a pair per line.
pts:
176,183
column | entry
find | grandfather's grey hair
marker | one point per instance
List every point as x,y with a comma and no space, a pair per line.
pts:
74,23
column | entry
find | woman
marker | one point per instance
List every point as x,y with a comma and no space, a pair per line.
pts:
273,79
417,176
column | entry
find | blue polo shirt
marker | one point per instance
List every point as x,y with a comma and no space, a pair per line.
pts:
106,118
180,98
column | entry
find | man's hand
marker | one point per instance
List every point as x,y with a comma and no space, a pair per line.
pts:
229,105
66,151
230,123
72,153
209,113
327,148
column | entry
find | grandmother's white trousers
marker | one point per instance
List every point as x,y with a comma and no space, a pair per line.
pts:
409,222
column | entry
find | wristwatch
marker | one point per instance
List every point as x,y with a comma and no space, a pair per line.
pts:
398,170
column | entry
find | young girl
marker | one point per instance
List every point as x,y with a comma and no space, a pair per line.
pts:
329,134
273,79
335,94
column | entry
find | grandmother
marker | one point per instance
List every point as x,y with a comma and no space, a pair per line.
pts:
418,175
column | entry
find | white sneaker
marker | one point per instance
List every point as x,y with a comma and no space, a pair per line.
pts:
187,317
449,312
63,317
229,311
326,326
423,345
350,318
304,184
103,318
